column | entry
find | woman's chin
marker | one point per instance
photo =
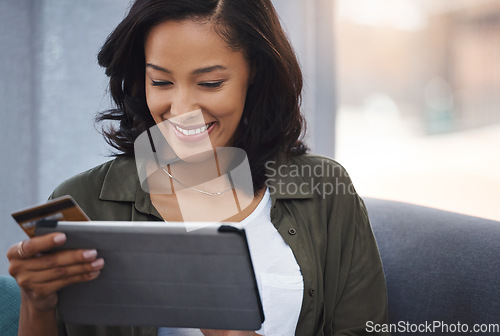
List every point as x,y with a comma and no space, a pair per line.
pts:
193,156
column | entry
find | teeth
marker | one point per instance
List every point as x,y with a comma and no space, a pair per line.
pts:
193,131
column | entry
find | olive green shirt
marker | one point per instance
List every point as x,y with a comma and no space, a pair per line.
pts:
314,208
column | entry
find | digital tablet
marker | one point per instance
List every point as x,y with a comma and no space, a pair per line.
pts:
159,274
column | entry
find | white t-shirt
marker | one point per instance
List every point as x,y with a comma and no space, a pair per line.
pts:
278,275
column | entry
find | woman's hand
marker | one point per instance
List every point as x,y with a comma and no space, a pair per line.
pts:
214,332
40,275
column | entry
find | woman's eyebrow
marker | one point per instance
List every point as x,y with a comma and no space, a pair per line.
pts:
157,67
195,72
208,69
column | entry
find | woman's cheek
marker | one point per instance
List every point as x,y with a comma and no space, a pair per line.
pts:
227,106
157,106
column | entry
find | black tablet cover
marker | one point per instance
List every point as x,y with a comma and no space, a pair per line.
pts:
162,275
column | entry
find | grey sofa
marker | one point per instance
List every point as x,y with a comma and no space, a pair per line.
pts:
440,267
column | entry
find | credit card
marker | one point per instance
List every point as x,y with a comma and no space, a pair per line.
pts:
63,208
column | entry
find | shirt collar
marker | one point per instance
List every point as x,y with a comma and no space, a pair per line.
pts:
121,181
122,184
286,179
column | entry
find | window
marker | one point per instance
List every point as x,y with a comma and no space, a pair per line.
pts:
419,101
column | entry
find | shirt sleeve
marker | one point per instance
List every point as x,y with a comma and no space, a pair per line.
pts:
363,296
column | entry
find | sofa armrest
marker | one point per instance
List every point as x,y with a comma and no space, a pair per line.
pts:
10,303
439,265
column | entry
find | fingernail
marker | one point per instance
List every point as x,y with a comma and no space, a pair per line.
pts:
94,274
59,238
89,254
97,263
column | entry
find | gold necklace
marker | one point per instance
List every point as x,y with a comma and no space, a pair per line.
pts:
195,189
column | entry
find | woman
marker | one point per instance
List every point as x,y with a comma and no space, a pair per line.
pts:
222,71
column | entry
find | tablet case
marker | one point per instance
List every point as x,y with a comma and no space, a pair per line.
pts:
162,275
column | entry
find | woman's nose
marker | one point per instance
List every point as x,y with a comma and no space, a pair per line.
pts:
184,102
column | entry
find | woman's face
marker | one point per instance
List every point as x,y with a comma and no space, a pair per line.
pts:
195,85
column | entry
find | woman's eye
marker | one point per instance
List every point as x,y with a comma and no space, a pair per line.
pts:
161,83
212,84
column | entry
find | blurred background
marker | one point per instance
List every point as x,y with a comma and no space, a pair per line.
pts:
418,116
404,93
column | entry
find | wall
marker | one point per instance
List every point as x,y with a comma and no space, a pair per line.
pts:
50,89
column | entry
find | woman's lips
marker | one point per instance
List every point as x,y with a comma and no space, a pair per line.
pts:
192,132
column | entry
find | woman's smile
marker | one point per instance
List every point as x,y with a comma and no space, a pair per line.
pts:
191,132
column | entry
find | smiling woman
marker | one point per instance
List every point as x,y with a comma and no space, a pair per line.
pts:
209,77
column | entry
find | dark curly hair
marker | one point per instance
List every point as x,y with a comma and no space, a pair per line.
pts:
272,123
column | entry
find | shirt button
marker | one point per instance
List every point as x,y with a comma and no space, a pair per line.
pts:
312,292
292,231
